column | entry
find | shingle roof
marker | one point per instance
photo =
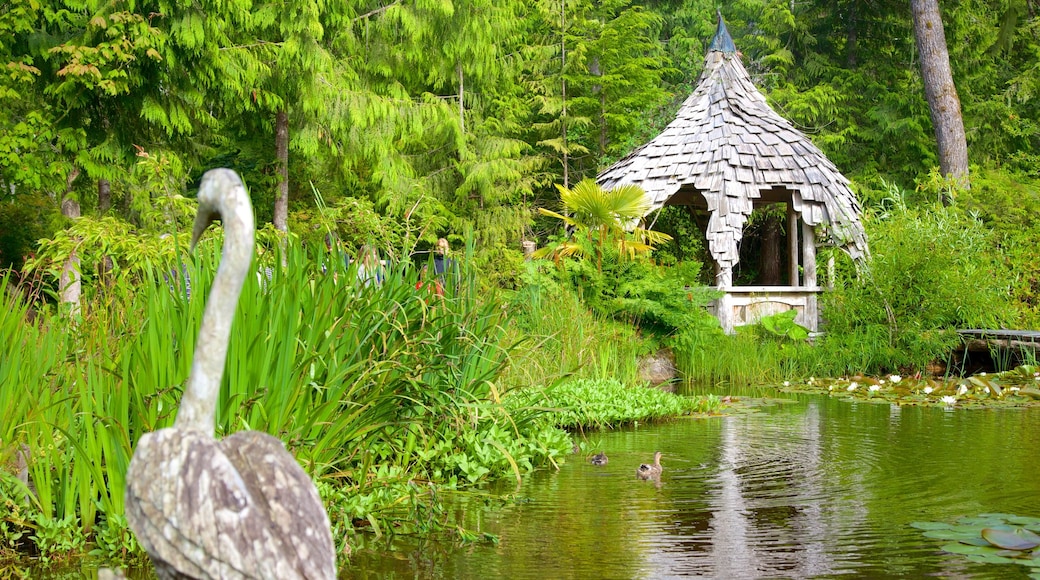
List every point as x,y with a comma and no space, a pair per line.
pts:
730,145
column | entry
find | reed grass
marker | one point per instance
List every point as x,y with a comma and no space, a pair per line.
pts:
365,383
561,338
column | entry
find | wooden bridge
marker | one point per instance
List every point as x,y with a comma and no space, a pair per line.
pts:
1010,346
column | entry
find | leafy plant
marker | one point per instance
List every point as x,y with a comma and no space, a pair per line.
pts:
782,325
603,218
990,538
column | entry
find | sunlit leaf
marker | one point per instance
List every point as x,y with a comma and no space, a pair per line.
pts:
1017,539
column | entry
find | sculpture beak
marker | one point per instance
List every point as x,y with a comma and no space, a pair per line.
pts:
203,219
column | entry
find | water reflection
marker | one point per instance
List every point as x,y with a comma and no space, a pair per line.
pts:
819,488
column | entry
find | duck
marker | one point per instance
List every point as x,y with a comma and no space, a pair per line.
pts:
650,471
599,459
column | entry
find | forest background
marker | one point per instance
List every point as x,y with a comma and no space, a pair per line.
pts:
415,120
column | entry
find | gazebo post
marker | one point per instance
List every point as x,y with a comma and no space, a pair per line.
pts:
809,274
724,305
792,244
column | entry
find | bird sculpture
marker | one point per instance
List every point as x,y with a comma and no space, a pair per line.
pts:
650,471
599,459
241,507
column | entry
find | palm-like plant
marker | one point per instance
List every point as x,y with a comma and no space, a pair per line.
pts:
603,216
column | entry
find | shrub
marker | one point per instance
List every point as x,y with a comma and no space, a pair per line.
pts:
932,271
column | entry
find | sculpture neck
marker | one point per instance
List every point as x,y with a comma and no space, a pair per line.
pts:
199,404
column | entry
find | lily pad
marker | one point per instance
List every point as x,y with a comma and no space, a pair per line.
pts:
965,537
1023,521
1017,539
930,525
991,559
970,550
982,521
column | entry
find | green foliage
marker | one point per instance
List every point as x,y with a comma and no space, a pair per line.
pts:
585,403
708,357
24,220
1009,205
562,337
932,271
782,325
605,220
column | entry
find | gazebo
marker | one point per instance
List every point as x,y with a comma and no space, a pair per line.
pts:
728,152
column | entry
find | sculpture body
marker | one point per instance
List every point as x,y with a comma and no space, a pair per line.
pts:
236,508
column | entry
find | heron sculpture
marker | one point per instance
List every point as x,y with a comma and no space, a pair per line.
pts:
650,470
240,507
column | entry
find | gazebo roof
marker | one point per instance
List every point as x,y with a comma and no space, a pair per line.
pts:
728,144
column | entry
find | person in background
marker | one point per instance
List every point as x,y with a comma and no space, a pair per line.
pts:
370,269
441,262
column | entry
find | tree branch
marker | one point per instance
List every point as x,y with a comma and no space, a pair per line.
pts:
376,11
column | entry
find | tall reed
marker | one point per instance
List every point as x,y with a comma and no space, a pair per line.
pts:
361,381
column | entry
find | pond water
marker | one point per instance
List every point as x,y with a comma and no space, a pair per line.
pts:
811,487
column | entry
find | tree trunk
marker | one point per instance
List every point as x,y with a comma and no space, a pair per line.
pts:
563,88
69,286
769,268
462,98
281,145
104,195
597,89
940,91
852,42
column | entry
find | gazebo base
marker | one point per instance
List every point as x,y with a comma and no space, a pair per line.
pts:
743,305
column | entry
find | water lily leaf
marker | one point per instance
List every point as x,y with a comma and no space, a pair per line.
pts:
970,550
981,383
991,559
1023,520
973,538
930,525
1019,539
983,522
1034,393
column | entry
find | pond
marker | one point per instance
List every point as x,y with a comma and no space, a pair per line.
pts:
807,487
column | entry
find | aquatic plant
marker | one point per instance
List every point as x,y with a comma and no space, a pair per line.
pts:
608,403
1018,387
991,538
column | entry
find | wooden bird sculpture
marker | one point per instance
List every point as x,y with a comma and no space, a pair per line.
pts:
650,471
241,507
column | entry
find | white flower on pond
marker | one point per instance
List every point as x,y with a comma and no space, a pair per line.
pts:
1014,389
895,378
963,390
928,390
986,389
787,383
881,382
812,380
949,401
874,388
852,387
830,387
